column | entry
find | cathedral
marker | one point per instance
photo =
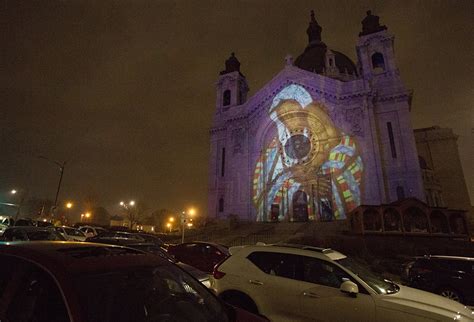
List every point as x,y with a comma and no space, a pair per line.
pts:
324,136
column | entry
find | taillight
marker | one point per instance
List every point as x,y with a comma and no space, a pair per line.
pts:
216,272
421,270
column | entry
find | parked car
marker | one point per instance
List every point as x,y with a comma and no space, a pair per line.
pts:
151,238
302,283
449,276
5,222
29,233
120,234
71,233
91,231
70,281
201,255
151,248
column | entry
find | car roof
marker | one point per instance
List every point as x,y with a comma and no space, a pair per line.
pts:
449,257
298,249
79,257
31,228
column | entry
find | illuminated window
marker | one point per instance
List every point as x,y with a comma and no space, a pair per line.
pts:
223,162
392,141
221,204
226,97
378,62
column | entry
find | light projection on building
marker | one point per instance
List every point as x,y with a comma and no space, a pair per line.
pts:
308,169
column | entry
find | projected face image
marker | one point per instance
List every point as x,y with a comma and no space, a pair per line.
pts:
308,169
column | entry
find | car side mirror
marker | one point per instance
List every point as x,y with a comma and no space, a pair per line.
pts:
349,288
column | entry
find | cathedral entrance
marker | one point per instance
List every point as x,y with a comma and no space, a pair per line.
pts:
300,206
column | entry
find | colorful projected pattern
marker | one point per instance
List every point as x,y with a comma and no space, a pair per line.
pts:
310,170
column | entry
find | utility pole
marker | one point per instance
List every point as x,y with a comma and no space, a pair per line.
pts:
61,168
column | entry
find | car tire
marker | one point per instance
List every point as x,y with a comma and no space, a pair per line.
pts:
240,300
451,294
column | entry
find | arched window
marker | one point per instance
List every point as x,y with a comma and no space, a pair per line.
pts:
226,98
400,193
221,204
458,224
439,222
392,220
372,220
415,220
378,62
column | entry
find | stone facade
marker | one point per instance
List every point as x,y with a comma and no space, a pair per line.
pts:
322,137
441,169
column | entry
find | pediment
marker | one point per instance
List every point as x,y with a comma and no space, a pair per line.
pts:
318,85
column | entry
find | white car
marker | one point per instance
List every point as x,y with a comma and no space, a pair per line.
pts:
303,283
91,231
71,233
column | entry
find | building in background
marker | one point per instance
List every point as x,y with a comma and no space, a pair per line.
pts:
324,136
441,168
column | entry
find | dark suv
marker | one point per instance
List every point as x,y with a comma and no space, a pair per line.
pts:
449,276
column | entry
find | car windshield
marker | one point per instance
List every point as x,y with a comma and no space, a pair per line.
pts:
159,293
378,284
74,232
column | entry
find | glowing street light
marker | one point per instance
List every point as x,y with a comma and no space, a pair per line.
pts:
169,225
69,205
13,191
132,203
171,219
191,212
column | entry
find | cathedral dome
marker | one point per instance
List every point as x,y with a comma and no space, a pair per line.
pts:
314,58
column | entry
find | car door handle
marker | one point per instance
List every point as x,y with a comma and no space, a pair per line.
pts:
255,282
310,294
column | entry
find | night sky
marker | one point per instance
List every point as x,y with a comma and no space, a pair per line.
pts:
125,90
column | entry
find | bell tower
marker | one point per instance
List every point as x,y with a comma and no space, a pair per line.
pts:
375,49
232,86
389,105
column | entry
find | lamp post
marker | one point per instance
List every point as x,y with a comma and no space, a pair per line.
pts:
191,212
61,169
19,204
129,211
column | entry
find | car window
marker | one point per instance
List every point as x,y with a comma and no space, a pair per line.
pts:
35,297
73,232
323,273
278,264
18,234
160,293
455,265
44,235
7,235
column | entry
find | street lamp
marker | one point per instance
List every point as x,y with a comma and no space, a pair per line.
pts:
169,225
20,203
191,212
127,207
69,205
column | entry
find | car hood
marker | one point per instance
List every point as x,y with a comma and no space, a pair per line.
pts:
408,297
